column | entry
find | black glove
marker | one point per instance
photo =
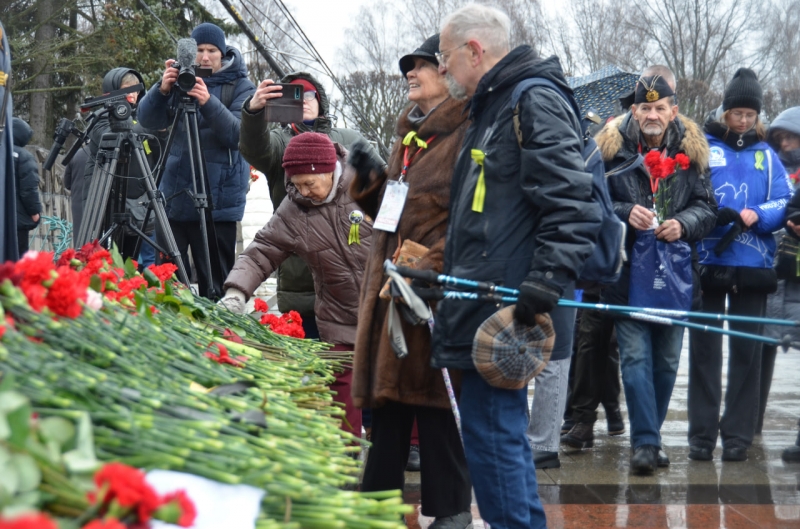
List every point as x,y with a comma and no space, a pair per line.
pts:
726,240
727,215
364,160
534,298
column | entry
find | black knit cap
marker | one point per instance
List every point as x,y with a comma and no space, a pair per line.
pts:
744,91
427,51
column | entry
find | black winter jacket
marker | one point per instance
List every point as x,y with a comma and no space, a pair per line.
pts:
151,140
539,222
691,201
27,174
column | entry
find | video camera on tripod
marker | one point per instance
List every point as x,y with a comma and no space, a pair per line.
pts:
117,149
115,105
188,71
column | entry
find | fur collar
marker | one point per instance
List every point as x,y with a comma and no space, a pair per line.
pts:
443,120
693,141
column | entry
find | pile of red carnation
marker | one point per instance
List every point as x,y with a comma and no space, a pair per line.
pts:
122,499
78,279
289,324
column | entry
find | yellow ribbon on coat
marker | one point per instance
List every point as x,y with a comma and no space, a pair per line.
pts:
412,136
480,188
760,160
353,237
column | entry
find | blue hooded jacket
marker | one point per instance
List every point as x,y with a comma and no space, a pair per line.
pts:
748,176
228,172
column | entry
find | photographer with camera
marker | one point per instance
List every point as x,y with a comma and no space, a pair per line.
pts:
219,99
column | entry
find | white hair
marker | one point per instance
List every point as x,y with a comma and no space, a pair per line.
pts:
489,25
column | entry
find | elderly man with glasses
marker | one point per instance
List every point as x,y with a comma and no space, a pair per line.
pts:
521,215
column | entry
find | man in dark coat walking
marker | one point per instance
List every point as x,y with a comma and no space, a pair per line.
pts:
649,352
26,171
228,173
521,215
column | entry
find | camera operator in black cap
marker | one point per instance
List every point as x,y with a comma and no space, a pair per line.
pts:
219,102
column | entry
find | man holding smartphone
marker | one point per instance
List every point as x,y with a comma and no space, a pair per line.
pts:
263,147
219,100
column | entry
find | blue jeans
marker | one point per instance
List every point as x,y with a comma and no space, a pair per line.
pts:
147,254
649,354
500,462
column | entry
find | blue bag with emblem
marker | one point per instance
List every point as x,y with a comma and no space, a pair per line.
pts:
661,273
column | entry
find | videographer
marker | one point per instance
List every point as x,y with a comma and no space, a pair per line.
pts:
117,79
263,146
219,101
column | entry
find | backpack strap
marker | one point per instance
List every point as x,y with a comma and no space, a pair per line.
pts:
526,84
228,89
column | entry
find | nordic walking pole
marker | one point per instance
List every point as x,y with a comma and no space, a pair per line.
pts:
438,294
433,277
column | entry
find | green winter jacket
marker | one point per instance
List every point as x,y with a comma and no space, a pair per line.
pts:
262,146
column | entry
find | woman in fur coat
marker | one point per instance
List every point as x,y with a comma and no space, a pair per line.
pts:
430,132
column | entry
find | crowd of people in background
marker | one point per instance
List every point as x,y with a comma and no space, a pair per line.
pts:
478,188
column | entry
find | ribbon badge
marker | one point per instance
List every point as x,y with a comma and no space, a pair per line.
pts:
356,218
760,160
480,188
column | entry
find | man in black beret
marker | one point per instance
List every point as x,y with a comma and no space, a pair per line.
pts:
649,352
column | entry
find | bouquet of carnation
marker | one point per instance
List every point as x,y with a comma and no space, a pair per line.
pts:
661,167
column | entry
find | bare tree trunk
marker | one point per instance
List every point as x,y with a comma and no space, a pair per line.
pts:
42,102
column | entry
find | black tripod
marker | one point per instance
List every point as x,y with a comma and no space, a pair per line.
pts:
186,112
109,188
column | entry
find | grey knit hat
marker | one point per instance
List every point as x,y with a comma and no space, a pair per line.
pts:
743,91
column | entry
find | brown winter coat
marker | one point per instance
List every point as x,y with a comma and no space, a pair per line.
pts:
377,373
319,235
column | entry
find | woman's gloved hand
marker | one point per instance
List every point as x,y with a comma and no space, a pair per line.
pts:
233,300
364,160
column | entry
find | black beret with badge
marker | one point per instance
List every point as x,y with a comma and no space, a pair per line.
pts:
651,89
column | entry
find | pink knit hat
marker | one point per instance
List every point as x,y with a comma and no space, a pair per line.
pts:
309,153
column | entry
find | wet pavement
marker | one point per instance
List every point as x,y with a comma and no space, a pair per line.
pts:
594,488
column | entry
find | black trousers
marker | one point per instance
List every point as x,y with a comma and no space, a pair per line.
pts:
768,354
22,241
596,366
738,423
446,487
188,235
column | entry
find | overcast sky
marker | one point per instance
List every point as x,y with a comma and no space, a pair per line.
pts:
325,21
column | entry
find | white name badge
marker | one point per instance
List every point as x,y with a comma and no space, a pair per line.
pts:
394,199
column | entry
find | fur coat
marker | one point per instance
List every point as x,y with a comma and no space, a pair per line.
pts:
378,375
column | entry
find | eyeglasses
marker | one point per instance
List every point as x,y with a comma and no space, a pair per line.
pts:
309,95
443,56
747,116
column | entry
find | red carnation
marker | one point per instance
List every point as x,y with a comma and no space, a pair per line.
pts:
66,257
128,487
163,271
31,521
261,305
111,523
653,162
66,293
178,508
682,161
224,357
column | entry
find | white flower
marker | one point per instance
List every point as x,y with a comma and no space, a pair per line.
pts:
94,300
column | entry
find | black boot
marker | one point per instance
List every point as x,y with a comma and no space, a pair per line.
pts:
616,426
792,454
644,459
581,435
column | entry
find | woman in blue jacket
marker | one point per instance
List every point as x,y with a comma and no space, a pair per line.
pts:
751,187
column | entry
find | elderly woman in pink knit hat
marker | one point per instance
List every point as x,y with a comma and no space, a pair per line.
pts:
324,226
